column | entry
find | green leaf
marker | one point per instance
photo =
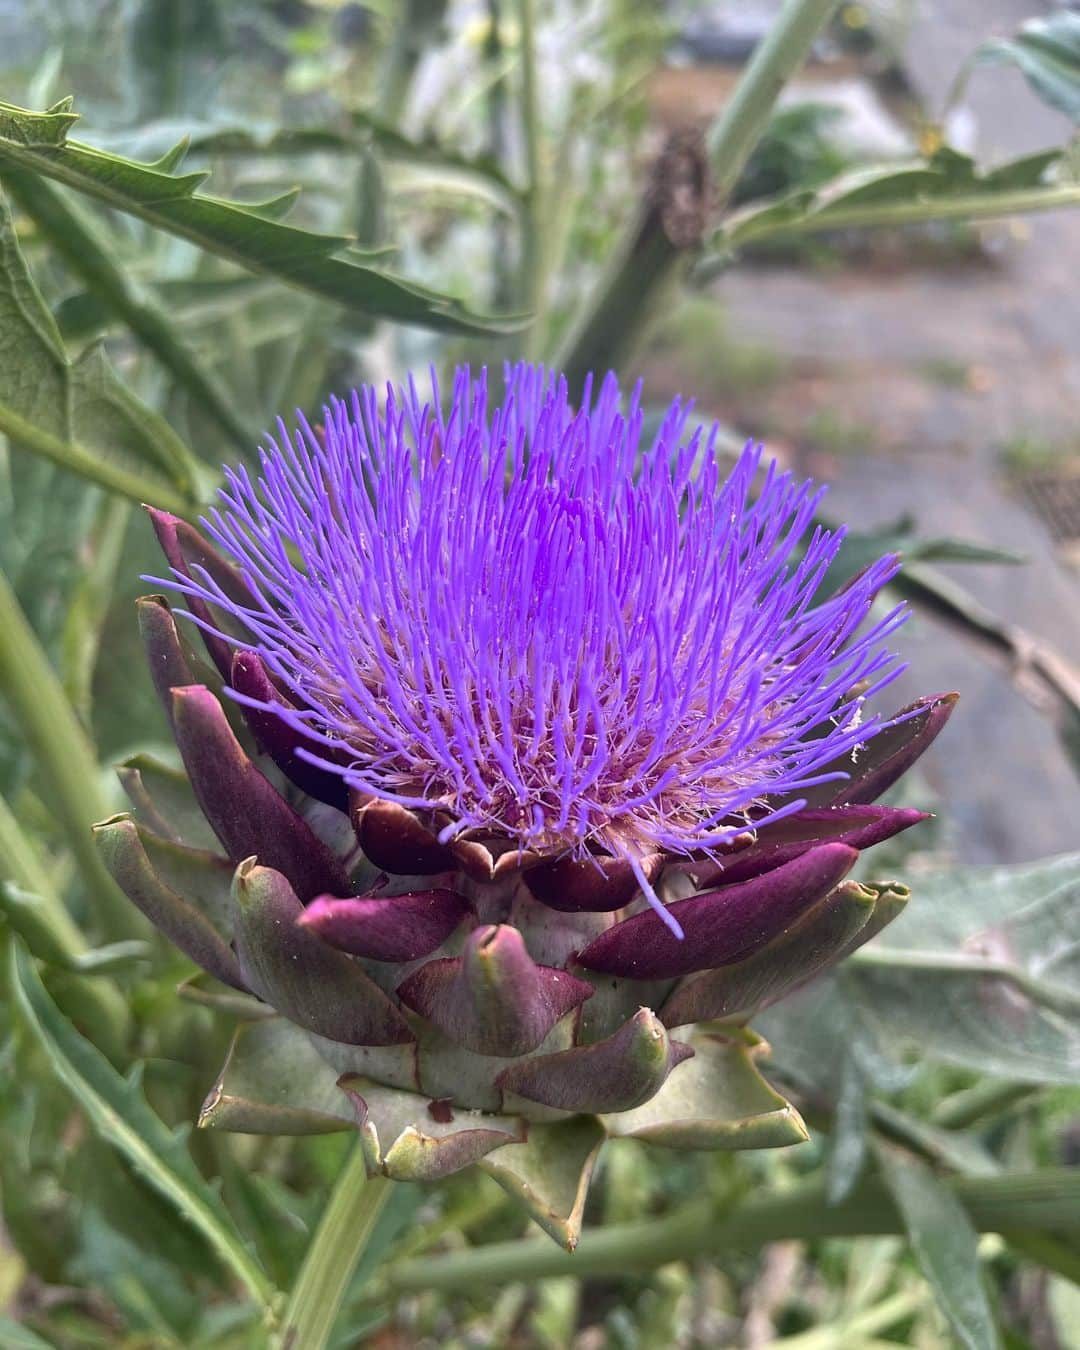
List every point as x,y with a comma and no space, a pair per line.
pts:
75,237
129,1244
849,1136
361,130
79,415
275,1220
982,971
119,1112
1047,52
35,910
324,264
65,758
15,1336
900,536
945,1245
947,186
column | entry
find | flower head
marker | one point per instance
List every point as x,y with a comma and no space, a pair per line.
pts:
532,622
502,678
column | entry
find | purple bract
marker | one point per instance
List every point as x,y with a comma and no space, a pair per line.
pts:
522,618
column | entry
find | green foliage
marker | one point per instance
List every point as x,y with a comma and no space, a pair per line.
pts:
945,1245
1047,51
250,235
117,1109
796,150
149,329
78,414
989,977
982,971
946,186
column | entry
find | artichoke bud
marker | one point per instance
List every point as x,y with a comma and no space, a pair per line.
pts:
527,766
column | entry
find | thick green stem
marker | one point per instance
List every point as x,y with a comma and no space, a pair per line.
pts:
503,289
1050,1252
20,863
737,130
649,259
608,334
1048,1199
65,759
333,1255
89,604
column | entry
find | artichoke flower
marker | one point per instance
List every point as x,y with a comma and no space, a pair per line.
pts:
529,762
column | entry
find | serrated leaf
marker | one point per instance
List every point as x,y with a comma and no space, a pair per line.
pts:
982,971
877,185
1027,171
362,129
985,972
75,237
946,186
119,1112
945,1245
1047,52
78,414
320,263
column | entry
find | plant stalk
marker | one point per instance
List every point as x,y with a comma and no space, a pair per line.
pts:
1048,1199
733,136
106,1015
65,760
416,22
74,457
989,1097
649,260
502,296
333,1255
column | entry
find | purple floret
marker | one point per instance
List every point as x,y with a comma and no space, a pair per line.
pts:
518,619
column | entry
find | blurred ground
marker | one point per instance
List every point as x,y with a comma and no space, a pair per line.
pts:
927,389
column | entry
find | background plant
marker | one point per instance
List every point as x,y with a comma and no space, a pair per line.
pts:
151,323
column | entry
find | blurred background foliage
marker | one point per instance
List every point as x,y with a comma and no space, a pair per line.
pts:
396,184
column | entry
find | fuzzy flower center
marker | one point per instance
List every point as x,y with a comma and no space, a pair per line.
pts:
532,623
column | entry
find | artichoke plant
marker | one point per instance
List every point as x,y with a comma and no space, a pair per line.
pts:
530,760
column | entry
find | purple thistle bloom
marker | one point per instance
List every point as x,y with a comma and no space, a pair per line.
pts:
522,622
